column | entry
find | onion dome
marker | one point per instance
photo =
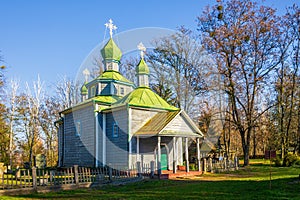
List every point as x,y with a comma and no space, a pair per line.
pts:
142,67
111,51
84,90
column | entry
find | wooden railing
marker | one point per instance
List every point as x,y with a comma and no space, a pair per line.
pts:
33,178
210,165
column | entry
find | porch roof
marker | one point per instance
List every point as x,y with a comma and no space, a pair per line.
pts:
157,124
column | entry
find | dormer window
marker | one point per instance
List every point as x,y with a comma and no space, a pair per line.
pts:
93,91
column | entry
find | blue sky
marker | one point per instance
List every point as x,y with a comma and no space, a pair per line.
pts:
53,37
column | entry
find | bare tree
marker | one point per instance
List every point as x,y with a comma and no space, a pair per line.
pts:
242,37
98,68
35,99
68,92
49,114
127,68
287,84
178,62
11,93
4,128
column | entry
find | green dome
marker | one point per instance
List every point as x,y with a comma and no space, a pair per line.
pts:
84,89
146,98
111,51
142,67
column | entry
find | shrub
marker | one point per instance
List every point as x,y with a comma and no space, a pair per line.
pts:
193,167
289,159
296,164
278,161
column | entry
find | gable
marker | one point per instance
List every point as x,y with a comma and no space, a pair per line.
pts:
157,123
180,126
173,123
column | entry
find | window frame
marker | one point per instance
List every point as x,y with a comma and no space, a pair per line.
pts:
116,130
78,128
122,91
93,91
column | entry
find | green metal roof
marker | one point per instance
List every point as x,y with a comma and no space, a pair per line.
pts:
113,75
111,51
142,67
107,99
84,89
146,98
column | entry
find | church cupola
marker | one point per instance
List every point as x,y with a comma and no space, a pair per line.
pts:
84,92
142,69
111,53
84,89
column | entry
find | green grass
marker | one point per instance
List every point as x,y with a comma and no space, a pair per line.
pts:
252,182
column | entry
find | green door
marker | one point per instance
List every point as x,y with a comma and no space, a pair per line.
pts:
164,158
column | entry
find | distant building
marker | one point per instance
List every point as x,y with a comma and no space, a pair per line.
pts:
119,123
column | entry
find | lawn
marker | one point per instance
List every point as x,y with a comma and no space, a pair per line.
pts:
252,182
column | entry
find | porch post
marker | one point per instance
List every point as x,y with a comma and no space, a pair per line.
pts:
158,156
186,155
198,155
104,140
96,137
137,148
174,155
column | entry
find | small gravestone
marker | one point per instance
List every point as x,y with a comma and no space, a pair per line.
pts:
18,173
40,160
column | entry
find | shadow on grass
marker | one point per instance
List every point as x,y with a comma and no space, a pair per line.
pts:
185,189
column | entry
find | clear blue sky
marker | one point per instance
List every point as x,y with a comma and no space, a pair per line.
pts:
53,37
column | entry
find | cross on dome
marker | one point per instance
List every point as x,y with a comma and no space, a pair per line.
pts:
86,74
142,48
110,26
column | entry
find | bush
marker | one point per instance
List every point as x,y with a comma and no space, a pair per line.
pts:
296,164
278,161
193,167
290,159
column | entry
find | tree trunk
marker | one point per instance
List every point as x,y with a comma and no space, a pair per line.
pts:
298,129
254,145
246,155
245,146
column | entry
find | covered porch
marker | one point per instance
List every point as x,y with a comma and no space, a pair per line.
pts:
165,139
167,154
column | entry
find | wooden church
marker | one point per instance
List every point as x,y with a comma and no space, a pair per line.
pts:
119,123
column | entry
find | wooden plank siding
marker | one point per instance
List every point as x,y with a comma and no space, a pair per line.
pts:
79,149
100,139
140,117
117,147
177,126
